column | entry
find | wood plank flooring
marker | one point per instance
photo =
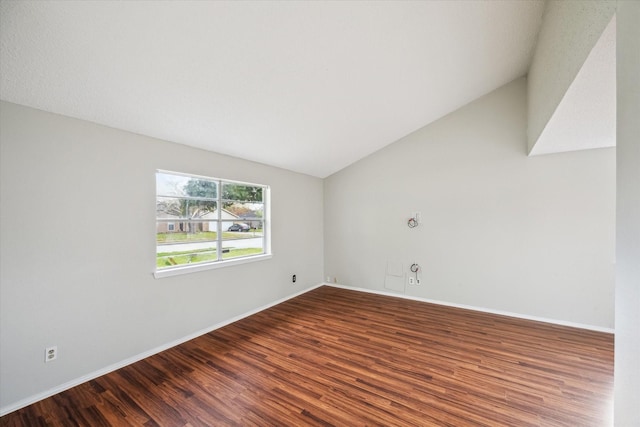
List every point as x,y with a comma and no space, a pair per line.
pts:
345,358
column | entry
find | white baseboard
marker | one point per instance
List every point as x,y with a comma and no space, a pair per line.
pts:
480,309
93,375
77,381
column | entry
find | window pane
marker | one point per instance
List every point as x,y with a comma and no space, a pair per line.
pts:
246,244
185,186
186,231
243,193
248,213
176,208
182,254
240,239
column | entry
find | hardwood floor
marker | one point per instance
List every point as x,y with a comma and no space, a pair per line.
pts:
346,358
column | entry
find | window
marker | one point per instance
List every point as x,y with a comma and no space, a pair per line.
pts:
208,222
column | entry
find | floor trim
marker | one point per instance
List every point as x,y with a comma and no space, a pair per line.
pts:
480,309
69,384
83,379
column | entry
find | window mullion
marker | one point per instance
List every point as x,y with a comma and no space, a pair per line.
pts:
219,210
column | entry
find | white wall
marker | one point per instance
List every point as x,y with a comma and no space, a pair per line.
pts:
570,29
500,230
78,248
627,351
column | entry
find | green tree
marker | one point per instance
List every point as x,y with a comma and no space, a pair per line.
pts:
233,193
201,188
188,208
195,209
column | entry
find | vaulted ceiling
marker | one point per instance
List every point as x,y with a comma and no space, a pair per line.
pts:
306,86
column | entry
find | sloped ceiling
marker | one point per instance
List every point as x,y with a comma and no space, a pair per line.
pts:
585,118
306,86
571,84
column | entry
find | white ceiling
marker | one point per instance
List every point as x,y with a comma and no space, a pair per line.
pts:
306,86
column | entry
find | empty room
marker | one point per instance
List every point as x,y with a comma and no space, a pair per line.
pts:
322,213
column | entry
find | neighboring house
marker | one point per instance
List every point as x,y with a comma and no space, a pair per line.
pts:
249,218
228,219
167,226
180,225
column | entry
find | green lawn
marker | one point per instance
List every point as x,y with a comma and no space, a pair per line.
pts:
203,236
169,259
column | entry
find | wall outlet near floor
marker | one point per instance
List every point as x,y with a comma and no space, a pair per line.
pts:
50,354
413,280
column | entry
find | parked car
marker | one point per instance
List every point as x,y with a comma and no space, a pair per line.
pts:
239,227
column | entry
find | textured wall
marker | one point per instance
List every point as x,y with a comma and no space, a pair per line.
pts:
78,249
627,366
500,230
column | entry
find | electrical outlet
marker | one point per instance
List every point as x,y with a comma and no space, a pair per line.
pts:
50,354
413,280
293,278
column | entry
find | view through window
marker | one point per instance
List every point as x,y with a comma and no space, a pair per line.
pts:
206,220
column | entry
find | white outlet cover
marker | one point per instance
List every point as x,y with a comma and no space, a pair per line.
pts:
50,354
413,281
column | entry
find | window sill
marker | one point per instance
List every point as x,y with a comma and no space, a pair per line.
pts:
186,269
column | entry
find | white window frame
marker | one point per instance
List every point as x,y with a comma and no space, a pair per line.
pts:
220,263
